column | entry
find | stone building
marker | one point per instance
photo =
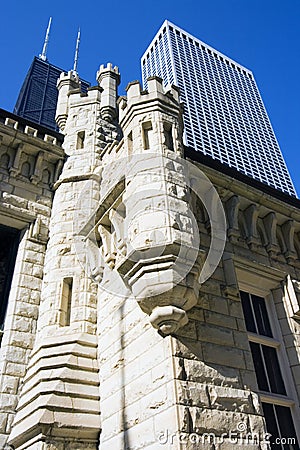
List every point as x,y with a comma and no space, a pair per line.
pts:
154,296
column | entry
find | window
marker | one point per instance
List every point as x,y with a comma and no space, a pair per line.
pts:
66,301
129,143
168,136
9,238
80,140
265,349
147,133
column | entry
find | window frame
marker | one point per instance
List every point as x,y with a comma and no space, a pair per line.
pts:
290,400
269,282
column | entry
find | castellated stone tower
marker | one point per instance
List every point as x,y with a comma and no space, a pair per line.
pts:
60,396
141,341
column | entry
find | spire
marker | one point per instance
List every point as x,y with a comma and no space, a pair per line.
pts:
76,52
43,55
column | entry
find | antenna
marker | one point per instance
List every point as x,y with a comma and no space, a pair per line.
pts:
44,51
76,52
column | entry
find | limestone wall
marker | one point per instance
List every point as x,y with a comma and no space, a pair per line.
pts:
142,341
31,161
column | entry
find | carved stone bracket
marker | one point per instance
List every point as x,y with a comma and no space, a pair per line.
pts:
37,175
232,210
108,247
231,289
270,223
251,216
168,319
15,168
288,231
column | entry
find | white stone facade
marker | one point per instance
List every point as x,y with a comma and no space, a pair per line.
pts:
124,327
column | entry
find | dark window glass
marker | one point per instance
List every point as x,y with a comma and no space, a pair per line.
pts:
250,325
9,238
271,424
280,425
267,369
286,425
259,367
273,369
262,325
261,316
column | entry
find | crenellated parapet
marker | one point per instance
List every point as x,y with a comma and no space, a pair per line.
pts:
151,120
88,120
66,83
31,159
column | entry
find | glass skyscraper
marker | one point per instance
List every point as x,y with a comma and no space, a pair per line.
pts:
38,95
224,115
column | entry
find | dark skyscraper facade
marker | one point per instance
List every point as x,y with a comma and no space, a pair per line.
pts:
224,115
38,96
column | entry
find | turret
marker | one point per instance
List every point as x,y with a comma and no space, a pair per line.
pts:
67,316
108,79
154,227
66,83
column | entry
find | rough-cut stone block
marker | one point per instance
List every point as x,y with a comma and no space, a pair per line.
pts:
9,384
215,334
201,372
3,421
227,356
192,394
220,319
230,399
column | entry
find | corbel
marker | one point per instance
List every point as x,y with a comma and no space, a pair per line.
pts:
270,223
288,231
37,174
58,168
116,217
251,216
232,210
15,168
231,289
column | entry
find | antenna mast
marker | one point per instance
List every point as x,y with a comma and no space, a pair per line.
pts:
43,55
76,52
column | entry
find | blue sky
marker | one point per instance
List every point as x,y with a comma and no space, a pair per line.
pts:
262,35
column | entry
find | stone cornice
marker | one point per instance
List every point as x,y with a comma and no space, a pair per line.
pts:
253,191
15,130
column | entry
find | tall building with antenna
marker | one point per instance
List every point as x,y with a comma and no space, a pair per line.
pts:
224,115
38,95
